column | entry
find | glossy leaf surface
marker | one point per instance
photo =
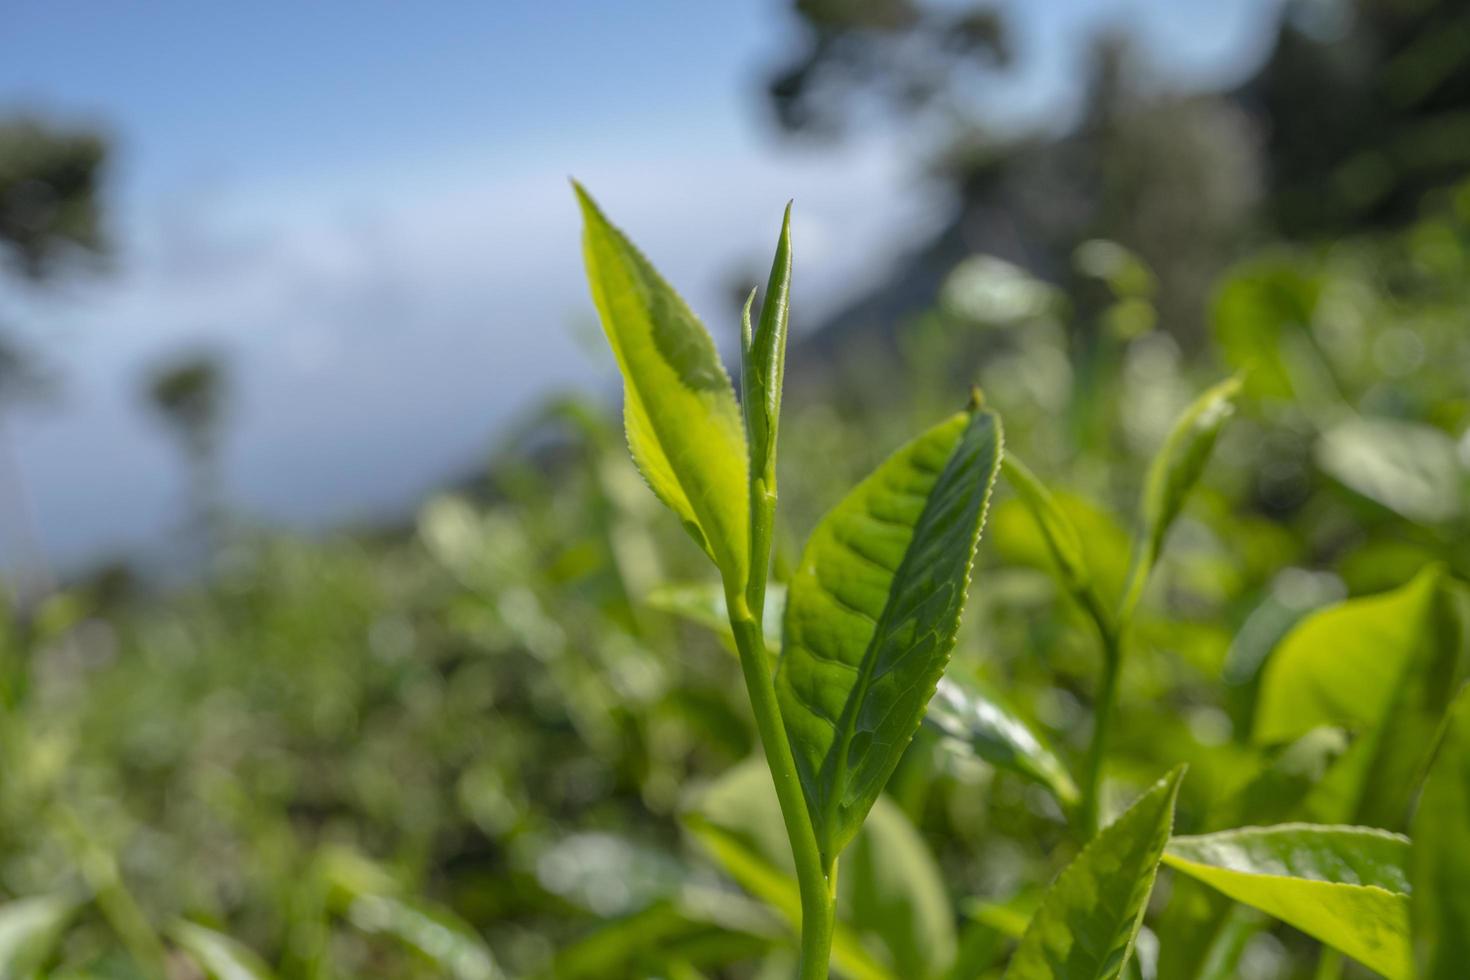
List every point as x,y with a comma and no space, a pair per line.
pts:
871,615
1345,886
684,425
1086,925
969,713
1440,858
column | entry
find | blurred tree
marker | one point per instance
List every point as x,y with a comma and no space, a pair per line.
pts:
1359,109
50,212
188,396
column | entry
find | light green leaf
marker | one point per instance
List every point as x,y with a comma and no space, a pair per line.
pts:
684,425
891,898
763,362
1018,539
1408,467
1085,927
1345,886
220,956
703,603
1439,868
871,616
965,710
1342,665
29,929
1062,541
1174,472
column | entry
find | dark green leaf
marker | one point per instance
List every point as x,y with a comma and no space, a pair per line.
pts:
871,615
1439,868
1090,916
683,422
966,711
1346,886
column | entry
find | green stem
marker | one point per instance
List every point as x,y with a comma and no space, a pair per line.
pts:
1112,648
815,882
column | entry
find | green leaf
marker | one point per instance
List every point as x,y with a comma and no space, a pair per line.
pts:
1345,886
1439,862
1085,927
763,362
1410,468
966,711
1342,664
29,929
1174,472
368,895
891,898
1063,543
220,956
871,616
684,425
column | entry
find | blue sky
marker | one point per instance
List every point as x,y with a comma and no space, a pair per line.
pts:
365,205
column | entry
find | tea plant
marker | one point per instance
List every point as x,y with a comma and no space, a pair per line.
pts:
870,616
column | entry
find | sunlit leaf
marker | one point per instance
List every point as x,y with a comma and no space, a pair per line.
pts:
871,615
1408,467
1062,541
966,711
1175,469
1346,886
891,897
29,929
1439,868
703,603
764,362
1341,665
220,956
1086,925
684,424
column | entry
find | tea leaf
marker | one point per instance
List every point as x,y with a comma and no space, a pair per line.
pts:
703,603
1342,664
218,955
1439,861
1085,927
29,929
1410,468
967,712
1346,886
683,423
890,894
1174,472
871,615
1062,541
763,362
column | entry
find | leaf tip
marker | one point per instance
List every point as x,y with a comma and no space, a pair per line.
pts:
977,400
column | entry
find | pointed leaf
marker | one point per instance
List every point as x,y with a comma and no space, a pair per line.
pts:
684,425
29,929
871,616
1439,868
1342,664
966,711
1345,886
220,956
764,362
1057,531
1090,916
1174,472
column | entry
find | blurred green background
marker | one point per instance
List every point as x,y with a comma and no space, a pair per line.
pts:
448,728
